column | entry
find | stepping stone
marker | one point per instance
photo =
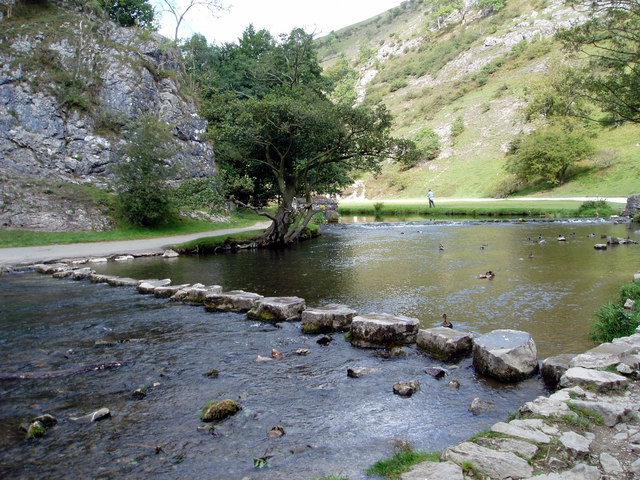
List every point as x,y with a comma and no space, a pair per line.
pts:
149,286
233,301
328,318
444,343
277,309
381,330
507,355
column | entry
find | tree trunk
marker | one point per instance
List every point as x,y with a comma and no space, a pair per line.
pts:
287,226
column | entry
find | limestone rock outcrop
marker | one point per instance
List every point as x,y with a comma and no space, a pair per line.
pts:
68,91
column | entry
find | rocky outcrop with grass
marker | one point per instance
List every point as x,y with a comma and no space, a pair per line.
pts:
70,85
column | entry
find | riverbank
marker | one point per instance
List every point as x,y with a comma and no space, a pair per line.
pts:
148,246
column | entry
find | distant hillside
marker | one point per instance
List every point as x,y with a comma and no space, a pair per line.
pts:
466,76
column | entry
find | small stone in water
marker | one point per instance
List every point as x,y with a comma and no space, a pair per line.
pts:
454,384
324,340
139,393
303,351
47,420
36,430
276,432
212,373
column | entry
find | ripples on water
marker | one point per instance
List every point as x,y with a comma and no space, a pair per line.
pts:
335,424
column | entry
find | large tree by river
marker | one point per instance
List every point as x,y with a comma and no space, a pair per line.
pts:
277,135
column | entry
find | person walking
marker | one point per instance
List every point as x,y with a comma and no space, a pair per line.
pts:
430,196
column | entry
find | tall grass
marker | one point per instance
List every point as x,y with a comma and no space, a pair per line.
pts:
612,320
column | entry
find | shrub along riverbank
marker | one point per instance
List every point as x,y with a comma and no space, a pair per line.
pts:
475,209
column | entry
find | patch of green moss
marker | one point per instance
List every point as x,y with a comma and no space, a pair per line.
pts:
218,410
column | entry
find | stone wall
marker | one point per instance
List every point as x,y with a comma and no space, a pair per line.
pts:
633,205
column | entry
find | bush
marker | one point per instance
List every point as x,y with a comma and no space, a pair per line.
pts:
613,321
630,290
140,178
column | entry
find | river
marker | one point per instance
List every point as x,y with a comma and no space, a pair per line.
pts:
334,424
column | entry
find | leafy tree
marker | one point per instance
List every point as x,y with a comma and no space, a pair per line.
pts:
282,131
548,153
128,13
610,41
140,178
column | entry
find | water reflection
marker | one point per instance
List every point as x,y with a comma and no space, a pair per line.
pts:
398,268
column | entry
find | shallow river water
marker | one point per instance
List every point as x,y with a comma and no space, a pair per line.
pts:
333,424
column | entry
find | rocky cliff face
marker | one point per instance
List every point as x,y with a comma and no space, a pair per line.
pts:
70,84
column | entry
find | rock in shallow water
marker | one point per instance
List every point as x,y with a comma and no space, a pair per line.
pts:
507,355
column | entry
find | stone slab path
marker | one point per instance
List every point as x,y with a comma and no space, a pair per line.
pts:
45,253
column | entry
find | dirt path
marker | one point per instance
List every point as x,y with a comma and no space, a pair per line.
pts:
46,253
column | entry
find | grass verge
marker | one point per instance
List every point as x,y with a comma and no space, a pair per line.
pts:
500,208
401,462
27,238
612,320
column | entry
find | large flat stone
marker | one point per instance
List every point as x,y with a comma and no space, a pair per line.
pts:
434,471
507,355
444,343
378,330
168,290
196,294
554,367
328,318
520,447
611,413
278,309
603,381
122,282
494,463
233,301
521,432
149,286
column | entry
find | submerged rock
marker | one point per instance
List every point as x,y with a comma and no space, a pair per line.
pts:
357,372
219,410
380,330
36,430
554,367
435,372
406,389
507,355
479,406
99,414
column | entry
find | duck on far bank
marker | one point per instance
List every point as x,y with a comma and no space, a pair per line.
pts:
441,247
445,322
562,238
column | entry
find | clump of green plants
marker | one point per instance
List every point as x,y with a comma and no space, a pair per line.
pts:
595,208
584,419
402,461
612,320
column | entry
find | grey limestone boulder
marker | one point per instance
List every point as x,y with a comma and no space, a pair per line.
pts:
82,273
195,294
444,343
51,268
505,444
378,330
507,355
493,463
277,309
603,381
611,413
521,432
554,367
328,318
233,301
434,471
603,356
149,286
169,290
122,282
579,472
99,278
406,389
578,445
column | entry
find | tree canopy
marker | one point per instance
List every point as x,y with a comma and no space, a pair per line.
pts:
273,123
610,41
128,13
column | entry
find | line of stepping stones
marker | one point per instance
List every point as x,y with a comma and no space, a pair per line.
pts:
507,355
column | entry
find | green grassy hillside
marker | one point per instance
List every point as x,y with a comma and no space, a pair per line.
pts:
468,81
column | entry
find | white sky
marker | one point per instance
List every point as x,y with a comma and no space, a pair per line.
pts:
276,16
